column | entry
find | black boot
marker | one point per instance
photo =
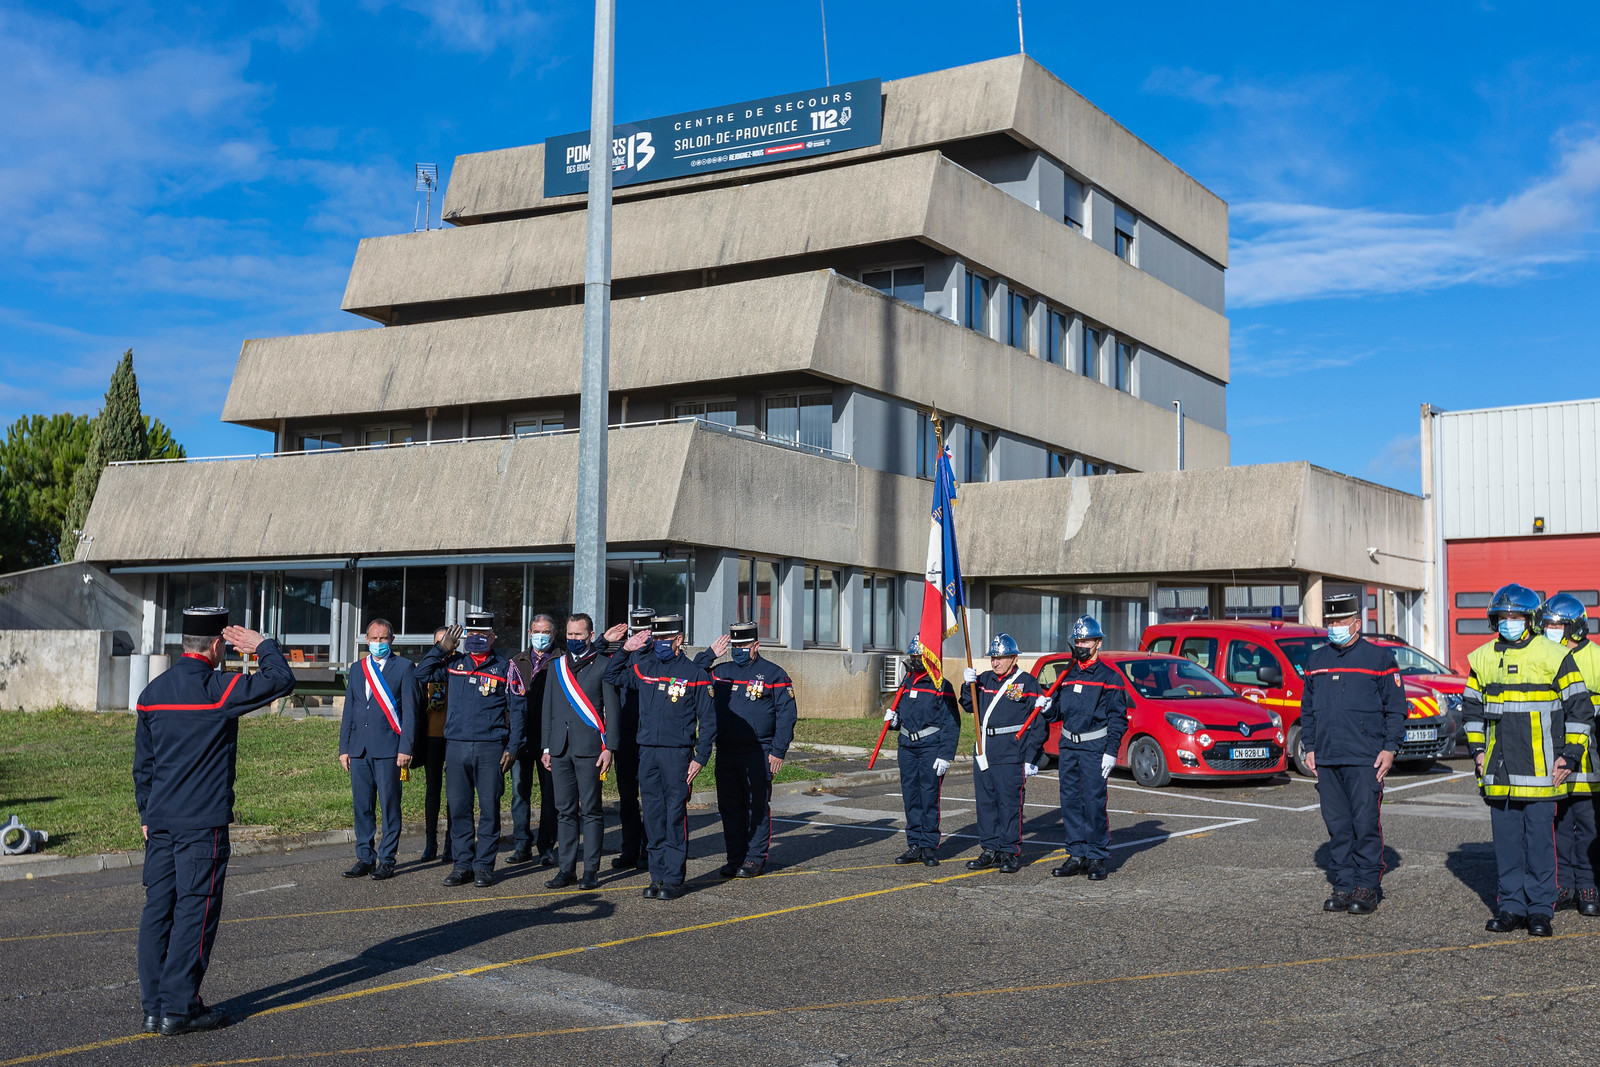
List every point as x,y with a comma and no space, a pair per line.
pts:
360,870
1589,902
1539,926
430,852
1564,897
930,857
1073,865
984,860
1097,871
1505,922
561,880
1364,901
910,855
1011,864
1338,901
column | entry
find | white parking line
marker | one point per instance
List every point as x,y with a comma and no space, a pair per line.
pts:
1430,781
1157,839
1113,811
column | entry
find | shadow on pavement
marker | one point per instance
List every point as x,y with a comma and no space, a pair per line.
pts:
1474,867
1392,860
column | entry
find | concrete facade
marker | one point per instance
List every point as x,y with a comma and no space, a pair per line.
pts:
75,668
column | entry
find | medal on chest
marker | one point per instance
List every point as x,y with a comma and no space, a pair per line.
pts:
755,687
488,685
1014,691
676,687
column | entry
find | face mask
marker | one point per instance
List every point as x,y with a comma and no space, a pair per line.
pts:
1341,635
1557,634
578,648
741,656
540,642
1512,630
1081,654
378,648
663,650
477,644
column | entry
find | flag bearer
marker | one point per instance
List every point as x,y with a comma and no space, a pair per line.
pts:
1092,707
1013,736
1524,704
1563,620
930,728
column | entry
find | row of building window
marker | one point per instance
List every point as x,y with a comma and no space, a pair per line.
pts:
974,458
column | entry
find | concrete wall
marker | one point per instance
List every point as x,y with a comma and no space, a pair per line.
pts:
44,668
833,685
71,596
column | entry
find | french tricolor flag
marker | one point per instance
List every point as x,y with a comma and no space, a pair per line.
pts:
943,591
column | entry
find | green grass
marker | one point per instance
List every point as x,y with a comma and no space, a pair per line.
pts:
863,732
71,773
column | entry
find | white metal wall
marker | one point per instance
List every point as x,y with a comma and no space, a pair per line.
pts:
1501,467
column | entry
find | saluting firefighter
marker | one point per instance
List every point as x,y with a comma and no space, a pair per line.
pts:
754,701
1092,707
1013,731
1352,720
930,729
1563,620
484,730
1524,703
634,850
676,731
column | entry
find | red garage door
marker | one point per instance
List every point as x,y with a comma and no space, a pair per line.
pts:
1547,565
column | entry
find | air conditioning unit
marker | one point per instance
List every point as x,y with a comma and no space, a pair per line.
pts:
894,673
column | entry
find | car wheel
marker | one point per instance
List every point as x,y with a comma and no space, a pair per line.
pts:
1297,753
1046,761
1148,764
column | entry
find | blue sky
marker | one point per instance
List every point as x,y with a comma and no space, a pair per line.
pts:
1413,187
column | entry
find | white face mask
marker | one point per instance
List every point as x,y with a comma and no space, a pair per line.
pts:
1557,634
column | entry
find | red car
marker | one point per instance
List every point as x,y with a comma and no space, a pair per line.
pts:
1181,721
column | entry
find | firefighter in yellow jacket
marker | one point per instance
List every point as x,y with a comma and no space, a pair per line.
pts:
1526,711
1563,620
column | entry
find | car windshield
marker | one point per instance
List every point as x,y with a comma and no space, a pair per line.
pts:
1172,679
1414,661
1298,649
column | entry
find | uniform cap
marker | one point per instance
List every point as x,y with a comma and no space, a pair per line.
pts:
480,620
1002,645
204,622
641,618
667,626
742,633
1340,604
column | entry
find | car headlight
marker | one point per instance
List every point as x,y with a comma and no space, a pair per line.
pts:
1277,720
1452,702
1184,724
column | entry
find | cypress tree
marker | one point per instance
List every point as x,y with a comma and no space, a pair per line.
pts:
119,434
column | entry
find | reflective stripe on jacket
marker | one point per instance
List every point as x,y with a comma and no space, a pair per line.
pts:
1585,781
1519,703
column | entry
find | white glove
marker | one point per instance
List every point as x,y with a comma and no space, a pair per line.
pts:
940,766
1028,771
969,675
1106,763
1040,703
891,718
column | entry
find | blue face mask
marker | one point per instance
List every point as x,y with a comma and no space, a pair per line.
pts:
663,650
579,649
741,656
1512,629
378,648
477,644
540,642
1341,635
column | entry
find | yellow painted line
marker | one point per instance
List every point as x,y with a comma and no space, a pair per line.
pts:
109,1042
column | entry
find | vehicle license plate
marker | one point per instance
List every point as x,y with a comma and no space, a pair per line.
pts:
1249,753
1422,733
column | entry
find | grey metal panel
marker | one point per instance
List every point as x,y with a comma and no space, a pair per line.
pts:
1179,266
1502,467
1163,380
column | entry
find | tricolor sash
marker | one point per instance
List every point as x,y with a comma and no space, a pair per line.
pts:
581,704
380,689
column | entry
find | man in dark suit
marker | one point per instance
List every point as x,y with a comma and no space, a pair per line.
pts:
579,730
381,707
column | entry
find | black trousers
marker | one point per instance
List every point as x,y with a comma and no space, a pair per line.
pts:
1084,823
664,797
184,871
1575,842
473,770
744,797
575,781
433,766
919,792
1351,797
628,811
1525,852
524,772
999,794
376,779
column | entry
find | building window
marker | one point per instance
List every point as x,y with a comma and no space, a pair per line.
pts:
720,412
534,425
820,623
1089,364
1473,600
1124,245
758,596
975,304
902,283
1057,334
504,589
1017,321
805,420
1124,368
975,458
318,440
1474,625
388,435
664,585
1059,466
927,446
879,590
1589,598
411,598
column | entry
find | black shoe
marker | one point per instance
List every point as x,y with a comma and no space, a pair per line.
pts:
669,892
1539,926
361,868
1338,901
520,855
930,857
1564,898
1589,902
458,876
1363,901
589,881
621,863
206,1019
910,855
152,1024
1505,922
430,852
728,870
483,879
382,872
749,869
1097,870
984,860
561,880
1073,865
1011,864
547,858
652,891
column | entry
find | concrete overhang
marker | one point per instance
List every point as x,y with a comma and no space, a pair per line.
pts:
818,322
1012,96
921,198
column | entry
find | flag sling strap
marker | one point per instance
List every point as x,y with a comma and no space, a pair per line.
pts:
380,689
581,704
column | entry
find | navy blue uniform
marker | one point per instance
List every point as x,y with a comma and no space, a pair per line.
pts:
1091,705
185,746
634,842
366,736
1353,708
486,709
755,719
676,724
529,767
1004,705
930,729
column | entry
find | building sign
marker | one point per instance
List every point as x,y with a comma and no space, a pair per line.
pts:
810,123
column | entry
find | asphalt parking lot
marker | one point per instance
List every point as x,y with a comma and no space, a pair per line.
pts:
1206,946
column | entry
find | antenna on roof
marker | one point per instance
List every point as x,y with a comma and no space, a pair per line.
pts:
827,75
427,180
1020,46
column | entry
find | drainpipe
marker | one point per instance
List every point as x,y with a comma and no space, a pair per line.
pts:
1177,406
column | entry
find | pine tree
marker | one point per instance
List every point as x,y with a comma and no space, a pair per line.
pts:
119,435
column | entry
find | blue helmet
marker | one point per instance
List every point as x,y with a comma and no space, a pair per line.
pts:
1002,645
1084,628
1564,610
1513,599
914,649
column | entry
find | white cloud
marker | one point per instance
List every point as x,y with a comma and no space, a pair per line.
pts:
1400,455
481,26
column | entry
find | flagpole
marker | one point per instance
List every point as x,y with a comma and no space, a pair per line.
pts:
966,632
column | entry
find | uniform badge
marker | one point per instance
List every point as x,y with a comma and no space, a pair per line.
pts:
755,688
677,688
1014,691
